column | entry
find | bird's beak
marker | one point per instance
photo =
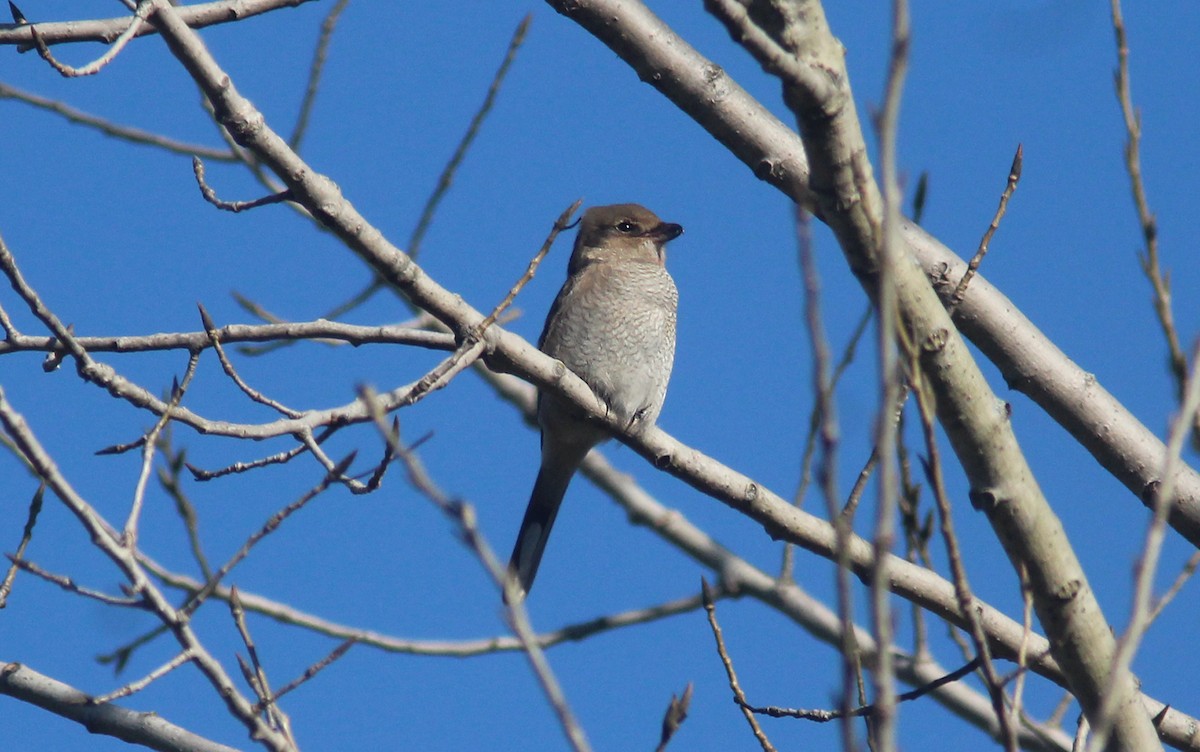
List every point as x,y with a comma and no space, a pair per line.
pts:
666,231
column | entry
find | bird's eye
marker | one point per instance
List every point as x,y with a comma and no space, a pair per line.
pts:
626,226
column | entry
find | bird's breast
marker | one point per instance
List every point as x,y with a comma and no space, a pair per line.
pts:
614,327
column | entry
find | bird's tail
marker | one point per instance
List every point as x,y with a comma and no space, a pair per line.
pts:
548,491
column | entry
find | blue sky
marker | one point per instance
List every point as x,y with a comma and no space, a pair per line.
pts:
118,241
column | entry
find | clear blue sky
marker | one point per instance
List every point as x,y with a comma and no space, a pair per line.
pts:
118,241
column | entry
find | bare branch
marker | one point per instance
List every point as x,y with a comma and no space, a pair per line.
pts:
140,684
169,477
364,239
256,675
320,330
69,584
446,178
314,73
278,458
107,127
286,614
211,329
1185,574
35,508
921,586
267,528
333,657
146,729
210,195
150,446
107,30
137,23
962,588
1147,564
864,711
738,696
1014,177
106,377
890,251
1151,267
825,425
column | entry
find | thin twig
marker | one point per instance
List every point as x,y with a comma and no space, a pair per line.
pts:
576,632
35,508
472,345
354,485
150,446
829,433
917,533
316,668
738,696
1185,574
169,478
314,73
883,730
962,588
279,458
268,527
108,128
804,245
136,24
140,684
120,656
562,223
1160,282
210,195
1014,177
1017,712
864,711
854,498
69,584
231,372
1147,563
446,178
255,674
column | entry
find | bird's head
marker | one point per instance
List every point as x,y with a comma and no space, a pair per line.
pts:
622,233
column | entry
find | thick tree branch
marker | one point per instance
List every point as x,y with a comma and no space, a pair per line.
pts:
144,729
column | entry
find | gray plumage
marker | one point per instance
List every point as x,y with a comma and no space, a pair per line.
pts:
613,325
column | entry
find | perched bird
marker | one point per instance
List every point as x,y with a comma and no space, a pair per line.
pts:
613,325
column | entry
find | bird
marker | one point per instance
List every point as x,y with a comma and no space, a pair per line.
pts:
613,325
